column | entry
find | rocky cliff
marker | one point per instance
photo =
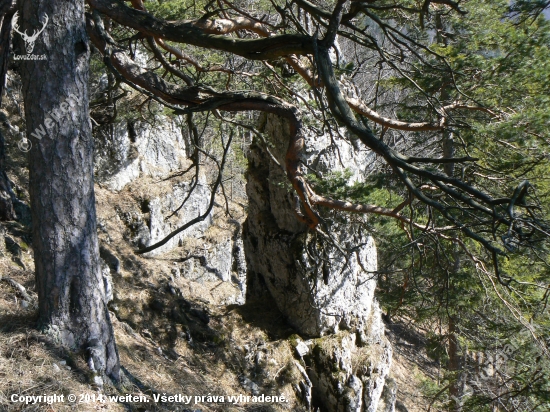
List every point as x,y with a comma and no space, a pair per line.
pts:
136,151
323,283
335,357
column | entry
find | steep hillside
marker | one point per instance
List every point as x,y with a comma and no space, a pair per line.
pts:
184,322
174,337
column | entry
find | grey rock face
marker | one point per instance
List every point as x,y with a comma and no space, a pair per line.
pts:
349,376
239,267
324,286
213,263
148,230
107,280
389,397
250,386
126,149
223,260
160,207
2,240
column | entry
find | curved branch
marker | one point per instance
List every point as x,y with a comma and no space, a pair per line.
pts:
180,55
201,217
361,108
166,64
208,34
398,162
188,33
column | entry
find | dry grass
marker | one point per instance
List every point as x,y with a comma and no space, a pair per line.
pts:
27,357
27,364
154,359
165,342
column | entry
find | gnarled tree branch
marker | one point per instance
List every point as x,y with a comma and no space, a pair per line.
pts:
188,33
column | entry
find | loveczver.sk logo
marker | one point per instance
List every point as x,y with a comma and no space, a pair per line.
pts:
29,40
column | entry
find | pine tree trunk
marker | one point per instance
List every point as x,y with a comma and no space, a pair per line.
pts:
455,390
71,290
448,148
454,366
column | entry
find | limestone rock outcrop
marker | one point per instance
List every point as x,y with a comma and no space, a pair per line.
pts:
323,284
130,150
126,149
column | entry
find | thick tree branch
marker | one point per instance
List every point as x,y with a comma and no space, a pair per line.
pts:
360,108
188,33
205,33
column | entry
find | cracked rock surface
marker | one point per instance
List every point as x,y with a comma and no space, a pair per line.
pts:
324,288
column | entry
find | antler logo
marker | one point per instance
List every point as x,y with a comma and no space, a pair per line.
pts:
29,40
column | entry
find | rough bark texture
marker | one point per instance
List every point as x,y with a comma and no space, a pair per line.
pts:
7,8
70,285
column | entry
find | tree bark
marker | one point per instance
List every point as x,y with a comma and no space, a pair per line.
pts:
454,366
71,290
7,8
